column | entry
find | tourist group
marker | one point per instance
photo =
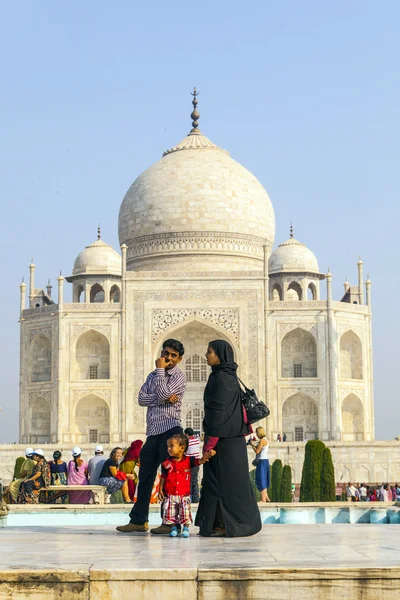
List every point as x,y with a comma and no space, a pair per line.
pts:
227,505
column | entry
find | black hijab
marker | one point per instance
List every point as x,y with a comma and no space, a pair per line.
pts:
223,412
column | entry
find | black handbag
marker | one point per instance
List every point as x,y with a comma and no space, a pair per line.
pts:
255,408
256,461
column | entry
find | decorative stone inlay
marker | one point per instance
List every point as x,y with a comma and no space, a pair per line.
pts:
344,392
46,394
346,306
92,306
310,304
79,329
81,393
344,327
285,328
286,392
46,331
197,241
135,322
227,318
257,275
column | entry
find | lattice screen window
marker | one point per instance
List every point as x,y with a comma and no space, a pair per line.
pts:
194,419
298,370
298,434
93,435
93,372
196,369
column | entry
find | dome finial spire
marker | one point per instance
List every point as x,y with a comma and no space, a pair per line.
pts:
98,231
195,115
291,230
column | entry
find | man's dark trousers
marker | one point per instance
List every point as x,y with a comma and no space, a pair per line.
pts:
152,454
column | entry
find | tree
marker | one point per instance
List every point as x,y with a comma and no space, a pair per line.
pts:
276,480
310,489
286,484
328,492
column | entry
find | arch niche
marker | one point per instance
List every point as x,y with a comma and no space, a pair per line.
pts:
40,359
294,291
352,419
93,356
115,294
350,356
300,418
312,292
276,293
40,426
92,420
299,354
195,336
96,293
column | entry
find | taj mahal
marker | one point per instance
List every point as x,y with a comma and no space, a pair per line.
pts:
198,261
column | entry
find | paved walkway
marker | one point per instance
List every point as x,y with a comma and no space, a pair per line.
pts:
277,546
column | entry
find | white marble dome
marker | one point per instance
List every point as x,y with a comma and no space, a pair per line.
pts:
97,259
292,256
194,205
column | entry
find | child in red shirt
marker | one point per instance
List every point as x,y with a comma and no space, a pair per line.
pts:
175,484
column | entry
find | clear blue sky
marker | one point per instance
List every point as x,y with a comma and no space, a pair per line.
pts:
304,94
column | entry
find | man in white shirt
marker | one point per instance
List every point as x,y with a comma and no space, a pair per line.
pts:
95,465
363,493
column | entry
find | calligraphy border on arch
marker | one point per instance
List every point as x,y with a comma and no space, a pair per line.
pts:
226,318
287,392
202,296
82,393
285,328
77,330
46,331
46,394
344,392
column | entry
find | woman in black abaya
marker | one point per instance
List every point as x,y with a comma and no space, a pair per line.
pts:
227,504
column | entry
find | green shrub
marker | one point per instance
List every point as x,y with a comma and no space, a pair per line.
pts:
310,489
328,492
257,494
276,480
286,484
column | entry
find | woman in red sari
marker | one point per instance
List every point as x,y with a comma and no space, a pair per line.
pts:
130,461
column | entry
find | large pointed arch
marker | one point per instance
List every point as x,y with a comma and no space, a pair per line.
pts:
40,426
351,363
92,420
352,419
299,354
92,355
40,359
300,418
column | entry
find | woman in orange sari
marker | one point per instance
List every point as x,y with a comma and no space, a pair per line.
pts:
130,461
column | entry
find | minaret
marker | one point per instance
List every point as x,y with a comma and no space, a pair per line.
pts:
49,288
22,288
360,281
60,280
32,268
346,286
368,284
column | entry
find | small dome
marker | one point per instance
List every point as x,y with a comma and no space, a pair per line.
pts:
293,256
97,259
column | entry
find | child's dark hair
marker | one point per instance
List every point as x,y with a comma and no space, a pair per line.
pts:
175,345
181,439
189,431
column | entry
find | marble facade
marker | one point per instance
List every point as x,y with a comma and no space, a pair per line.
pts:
196,232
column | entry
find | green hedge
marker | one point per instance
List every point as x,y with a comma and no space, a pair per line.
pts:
276,480
328,493
310,489
286,484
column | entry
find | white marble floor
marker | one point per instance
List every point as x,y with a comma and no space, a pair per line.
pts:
277,546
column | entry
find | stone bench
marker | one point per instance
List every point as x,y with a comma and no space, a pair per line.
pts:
98,489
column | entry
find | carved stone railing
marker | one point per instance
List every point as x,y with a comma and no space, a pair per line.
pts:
92,306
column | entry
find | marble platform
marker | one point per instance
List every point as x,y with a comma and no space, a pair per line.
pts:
288,561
